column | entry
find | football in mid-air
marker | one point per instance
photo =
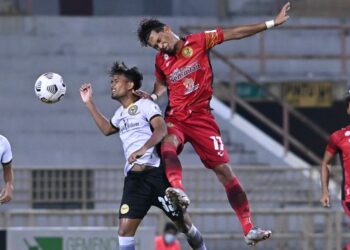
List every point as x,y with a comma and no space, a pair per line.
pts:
49,87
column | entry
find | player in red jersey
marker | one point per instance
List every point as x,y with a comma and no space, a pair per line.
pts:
183,69
339,142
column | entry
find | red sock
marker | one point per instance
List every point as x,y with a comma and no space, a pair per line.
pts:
239,202
173,168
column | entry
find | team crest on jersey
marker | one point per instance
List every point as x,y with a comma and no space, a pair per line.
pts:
166,57
124,209
133,110
187,52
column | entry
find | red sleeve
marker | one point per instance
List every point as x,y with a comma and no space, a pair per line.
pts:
213,37
158,72
332,147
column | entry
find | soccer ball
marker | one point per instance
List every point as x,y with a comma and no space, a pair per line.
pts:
49,87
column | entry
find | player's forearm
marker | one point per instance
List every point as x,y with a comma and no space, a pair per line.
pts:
8,174
159,89
157,136
100,120
324,178
243,31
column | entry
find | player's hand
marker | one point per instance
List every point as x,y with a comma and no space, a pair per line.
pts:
283,15
137,154
6,193
86,92
325,200
142,94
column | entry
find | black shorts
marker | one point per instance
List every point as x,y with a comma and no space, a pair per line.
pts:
143,190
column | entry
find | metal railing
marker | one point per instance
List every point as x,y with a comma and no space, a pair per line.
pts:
277,186
305,226
262,56
287,110
296,228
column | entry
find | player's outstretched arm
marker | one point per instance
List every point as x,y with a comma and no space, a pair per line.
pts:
6,192
249,30
159,132
101,121
325,172
158,90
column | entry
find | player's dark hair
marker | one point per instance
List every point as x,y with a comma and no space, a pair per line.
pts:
133,74
347,97
170,226
146,26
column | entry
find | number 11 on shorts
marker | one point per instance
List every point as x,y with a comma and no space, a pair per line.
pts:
218,145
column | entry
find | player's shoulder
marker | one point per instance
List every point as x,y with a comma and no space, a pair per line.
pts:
145,102
117,113
118,110
194,37
161,57
148,107
3,140
340,133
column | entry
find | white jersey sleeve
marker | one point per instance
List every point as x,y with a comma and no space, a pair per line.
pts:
5,150
150,109
115,120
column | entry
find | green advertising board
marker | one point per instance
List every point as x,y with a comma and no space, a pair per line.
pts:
248,90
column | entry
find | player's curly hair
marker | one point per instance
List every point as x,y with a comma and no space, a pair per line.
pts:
133,74
146,26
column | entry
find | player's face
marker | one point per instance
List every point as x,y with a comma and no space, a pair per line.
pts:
164,41
120,86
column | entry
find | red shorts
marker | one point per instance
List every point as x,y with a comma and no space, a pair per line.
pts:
346,207
201,130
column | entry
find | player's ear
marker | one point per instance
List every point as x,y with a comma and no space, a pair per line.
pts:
167,28
130,85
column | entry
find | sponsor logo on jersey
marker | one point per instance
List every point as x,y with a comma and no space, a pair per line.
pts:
126,125
190,86
133,110
347,133
181,73
187,52
124,209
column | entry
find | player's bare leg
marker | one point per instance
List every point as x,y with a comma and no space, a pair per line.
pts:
239,202
126,233
173,169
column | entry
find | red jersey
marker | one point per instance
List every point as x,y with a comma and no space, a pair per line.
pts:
188,74
339,141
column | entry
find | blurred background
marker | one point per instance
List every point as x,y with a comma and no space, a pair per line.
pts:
278,96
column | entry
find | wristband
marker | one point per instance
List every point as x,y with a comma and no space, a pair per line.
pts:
270,24
154,96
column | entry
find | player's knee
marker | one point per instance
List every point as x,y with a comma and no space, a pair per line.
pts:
122,232
224,172
170,140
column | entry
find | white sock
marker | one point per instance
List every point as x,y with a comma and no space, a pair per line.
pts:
195,239
126,243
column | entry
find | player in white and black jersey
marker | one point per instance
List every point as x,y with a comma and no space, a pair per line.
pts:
6,160
141,128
